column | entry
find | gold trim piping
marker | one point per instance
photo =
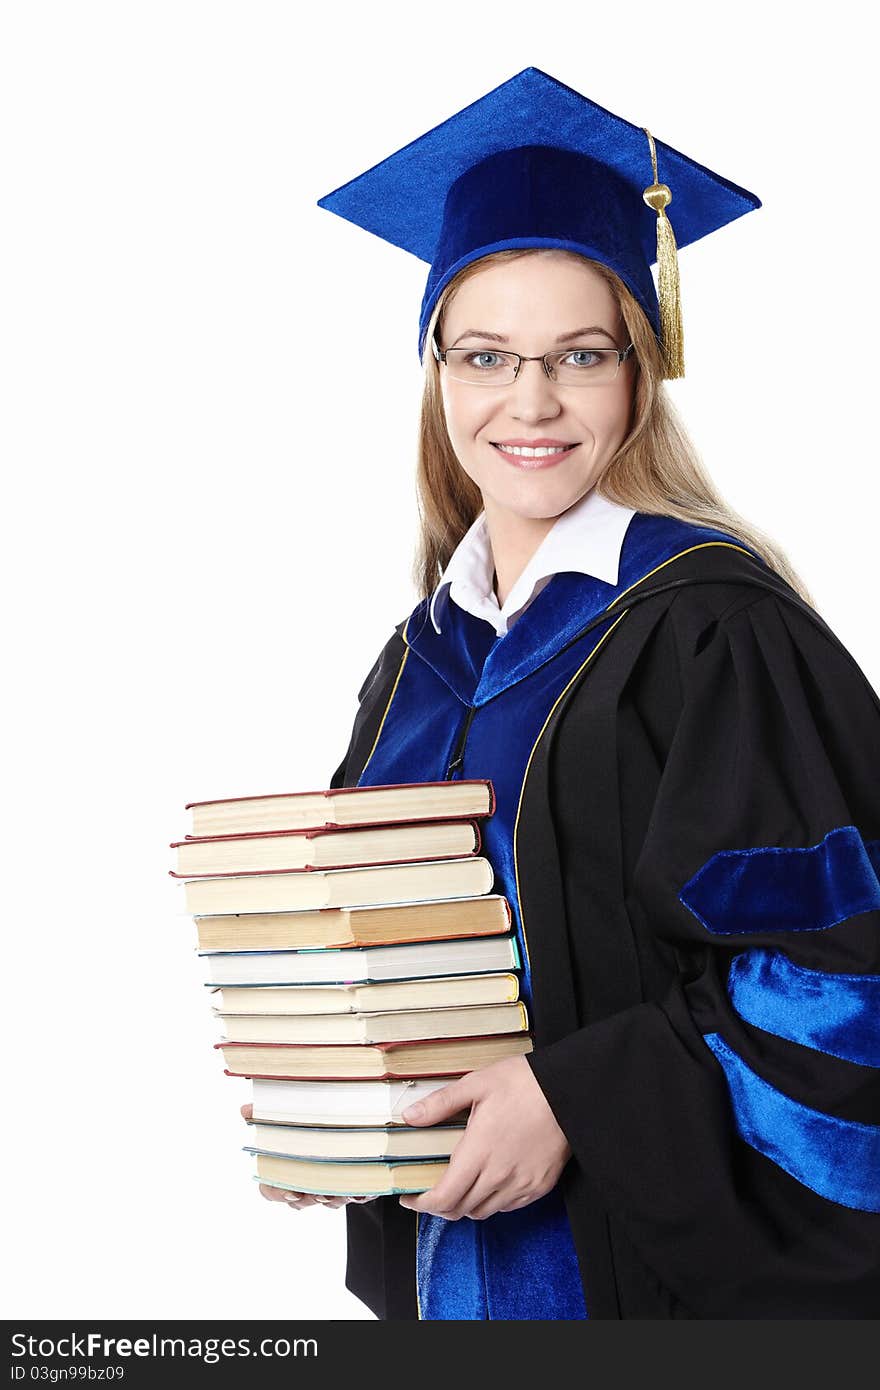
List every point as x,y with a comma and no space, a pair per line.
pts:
703,545
416,1268
388,705
528,765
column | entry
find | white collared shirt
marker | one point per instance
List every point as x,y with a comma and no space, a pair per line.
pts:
587,538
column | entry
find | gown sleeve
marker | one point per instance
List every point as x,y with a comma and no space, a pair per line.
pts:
372,697
732,1123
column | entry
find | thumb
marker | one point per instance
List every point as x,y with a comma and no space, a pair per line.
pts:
440,1104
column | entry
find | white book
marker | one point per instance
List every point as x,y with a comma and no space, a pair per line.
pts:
360,964
339,1102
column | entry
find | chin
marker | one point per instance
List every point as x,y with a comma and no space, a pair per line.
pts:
541,497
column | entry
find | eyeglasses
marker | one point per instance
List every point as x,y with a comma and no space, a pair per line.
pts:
570,367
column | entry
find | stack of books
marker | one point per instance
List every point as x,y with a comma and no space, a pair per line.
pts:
362,962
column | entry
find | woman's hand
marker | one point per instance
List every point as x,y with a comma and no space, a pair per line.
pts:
511,1153
299,1200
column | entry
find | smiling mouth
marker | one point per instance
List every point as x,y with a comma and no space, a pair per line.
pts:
543,451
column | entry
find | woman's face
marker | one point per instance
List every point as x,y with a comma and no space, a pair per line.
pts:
528,306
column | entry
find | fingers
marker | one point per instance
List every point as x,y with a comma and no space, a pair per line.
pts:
483,1201
300,1200
441,1104
450,1193
335,1200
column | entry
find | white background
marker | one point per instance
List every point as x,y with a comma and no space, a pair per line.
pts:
208,527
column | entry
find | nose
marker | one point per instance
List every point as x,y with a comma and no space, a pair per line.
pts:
533,394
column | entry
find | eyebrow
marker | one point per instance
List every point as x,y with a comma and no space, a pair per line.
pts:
563,337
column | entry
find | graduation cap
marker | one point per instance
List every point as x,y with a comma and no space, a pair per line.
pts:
534,163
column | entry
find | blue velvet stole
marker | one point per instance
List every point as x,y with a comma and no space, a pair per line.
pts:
520,1264
477,666
838,1159
771,889
777,889
837,1014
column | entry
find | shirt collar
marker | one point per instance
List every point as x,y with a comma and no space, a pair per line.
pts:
587,538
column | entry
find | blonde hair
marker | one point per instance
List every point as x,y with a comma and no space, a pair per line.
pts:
656,469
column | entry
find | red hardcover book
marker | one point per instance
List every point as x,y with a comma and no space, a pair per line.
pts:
417,830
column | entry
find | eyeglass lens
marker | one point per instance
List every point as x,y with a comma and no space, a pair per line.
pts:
573,367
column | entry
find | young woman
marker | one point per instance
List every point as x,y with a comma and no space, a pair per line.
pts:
687,829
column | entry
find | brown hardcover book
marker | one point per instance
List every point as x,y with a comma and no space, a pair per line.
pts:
382,925
343,806
370,1061
393,1026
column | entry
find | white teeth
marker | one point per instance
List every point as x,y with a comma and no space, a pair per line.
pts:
533,453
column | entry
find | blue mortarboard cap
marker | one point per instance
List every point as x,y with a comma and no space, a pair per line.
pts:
534,163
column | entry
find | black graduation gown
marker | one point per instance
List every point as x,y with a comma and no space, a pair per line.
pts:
699,852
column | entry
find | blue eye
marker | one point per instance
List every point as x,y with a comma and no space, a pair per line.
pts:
482,365
595,357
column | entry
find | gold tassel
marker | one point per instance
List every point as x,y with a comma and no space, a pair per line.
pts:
658,196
